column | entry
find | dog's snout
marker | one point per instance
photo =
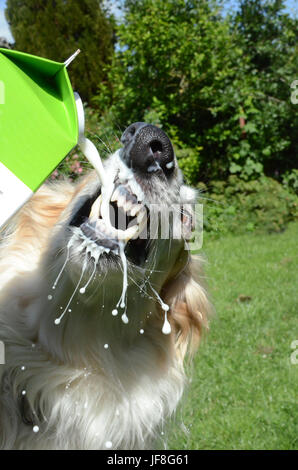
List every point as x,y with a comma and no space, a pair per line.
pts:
147,149
130,132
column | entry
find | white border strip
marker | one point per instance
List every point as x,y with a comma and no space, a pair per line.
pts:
13,194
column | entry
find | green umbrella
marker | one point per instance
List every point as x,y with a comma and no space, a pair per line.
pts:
38,125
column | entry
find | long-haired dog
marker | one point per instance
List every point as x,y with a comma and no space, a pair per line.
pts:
95,327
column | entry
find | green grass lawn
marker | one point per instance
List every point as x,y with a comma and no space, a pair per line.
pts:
243,393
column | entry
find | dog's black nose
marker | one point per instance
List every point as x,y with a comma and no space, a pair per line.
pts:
147,149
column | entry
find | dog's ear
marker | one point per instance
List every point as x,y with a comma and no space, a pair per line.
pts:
189,307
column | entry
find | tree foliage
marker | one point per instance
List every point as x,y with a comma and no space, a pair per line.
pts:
269,37
220,85
56,28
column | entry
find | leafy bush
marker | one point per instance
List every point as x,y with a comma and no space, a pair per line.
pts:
221,84
290,180
101,131
230,206
239,206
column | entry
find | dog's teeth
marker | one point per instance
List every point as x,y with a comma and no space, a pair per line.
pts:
101,228
116,234
135,210
100,225
95,209
131,232
127,206
135,189
128,233
121,201
115,195
142,219
141,214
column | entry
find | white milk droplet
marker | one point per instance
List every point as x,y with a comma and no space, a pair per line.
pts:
35,428
141,331
23,392
106,346
124,318
82,290
50,297
166,329
115,312
108,444
23,368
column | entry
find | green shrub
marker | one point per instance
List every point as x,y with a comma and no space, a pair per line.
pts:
234,205
238,206
101,131
290,180
218,82
189,162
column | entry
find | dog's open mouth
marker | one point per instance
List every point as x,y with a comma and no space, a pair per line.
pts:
126,221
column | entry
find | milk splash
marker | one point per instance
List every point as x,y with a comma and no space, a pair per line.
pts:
63,267
166,329
92,155
95,252
107,189
122,300
83,289
58,320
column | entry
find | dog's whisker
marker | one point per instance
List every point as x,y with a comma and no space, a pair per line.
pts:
94,292
212,200
107,147
140,287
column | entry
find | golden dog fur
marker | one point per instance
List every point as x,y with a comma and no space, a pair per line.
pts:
61,379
